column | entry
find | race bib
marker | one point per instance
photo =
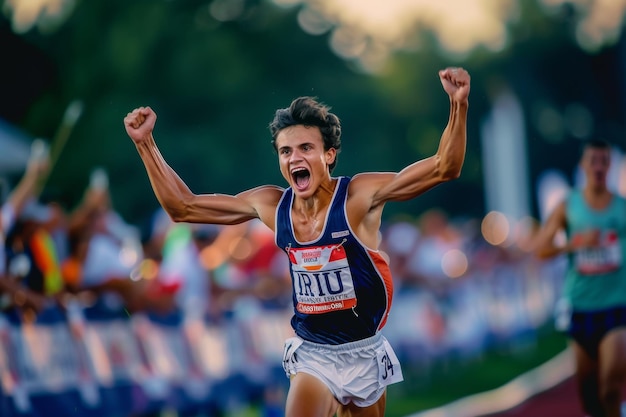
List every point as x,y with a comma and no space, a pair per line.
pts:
389,370
322,279
607,257
289,355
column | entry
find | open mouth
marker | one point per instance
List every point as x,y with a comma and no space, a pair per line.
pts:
599,176
301,178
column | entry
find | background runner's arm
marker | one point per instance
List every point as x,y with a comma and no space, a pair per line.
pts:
545,246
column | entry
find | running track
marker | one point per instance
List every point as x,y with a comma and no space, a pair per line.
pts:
559,401
547,391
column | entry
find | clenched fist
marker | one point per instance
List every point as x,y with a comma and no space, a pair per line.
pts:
456,82
139,124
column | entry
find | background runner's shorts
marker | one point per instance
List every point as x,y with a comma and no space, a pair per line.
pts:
588,328
355,372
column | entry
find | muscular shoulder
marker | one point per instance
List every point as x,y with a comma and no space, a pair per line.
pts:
369,182
365,187
264,194
264,199
363,210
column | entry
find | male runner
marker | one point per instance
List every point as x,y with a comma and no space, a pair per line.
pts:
594,219
328,227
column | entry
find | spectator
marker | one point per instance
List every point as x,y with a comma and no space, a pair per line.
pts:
103,248
182,273
14,292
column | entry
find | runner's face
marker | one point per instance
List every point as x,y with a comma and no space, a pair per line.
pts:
302,158
595,164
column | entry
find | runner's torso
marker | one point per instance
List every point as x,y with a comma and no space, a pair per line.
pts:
597,276
342,290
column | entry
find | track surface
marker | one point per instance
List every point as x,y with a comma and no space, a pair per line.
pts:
559,401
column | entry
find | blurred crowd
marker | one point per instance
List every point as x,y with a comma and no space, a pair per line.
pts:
90,254
455,293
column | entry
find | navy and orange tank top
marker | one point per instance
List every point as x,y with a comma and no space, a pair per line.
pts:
341,290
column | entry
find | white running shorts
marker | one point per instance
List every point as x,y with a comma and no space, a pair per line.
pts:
355,372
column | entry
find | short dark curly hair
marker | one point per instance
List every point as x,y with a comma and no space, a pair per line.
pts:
307,111
596,143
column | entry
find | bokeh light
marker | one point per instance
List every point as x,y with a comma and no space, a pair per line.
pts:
454,263
600,20
45,14
495,228
129,256
369,30
524,233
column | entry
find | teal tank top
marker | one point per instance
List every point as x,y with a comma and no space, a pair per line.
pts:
596,277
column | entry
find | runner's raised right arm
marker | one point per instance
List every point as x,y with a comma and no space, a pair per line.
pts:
175,196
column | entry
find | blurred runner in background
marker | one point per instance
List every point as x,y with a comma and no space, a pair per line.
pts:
594,219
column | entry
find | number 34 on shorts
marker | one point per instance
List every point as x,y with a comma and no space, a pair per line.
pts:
389,368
